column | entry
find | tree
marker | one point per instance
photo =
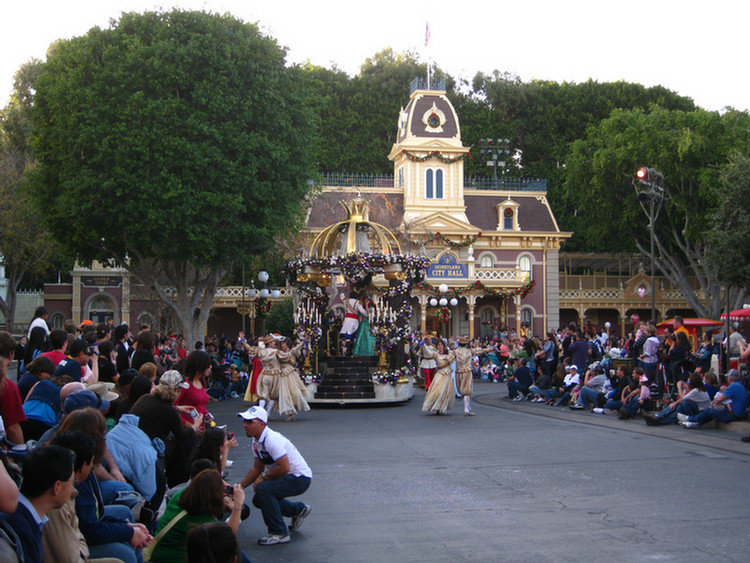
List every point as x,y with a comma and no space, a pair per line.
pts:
25,246
172,143
728,249
688,148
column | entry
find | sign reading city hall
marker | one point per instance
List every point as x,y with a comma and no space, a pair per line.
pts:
447,268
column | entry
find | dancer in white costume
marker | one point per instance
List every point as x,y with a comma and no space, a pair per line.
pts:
291,389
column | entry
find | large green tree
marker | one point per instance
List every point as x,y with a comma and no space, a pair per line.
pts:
26,248
688,148
173,143
729,251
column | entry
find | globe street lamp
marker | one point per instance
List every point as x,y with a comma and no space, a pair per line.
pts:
649,186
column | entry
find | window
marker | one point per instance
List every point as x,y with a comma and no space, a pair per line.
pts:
400,177
508,223
527,321
486,261
524,262
58,321
434,184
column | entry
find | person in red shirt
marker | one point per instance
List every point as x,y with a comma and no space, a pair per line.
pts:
11,408
58,340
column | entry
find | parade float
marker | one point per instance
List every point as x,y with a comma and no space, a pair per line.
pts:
364,256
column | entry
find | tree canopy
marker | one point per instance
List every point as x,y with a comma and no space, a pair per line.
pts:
26,249
172,142
688,148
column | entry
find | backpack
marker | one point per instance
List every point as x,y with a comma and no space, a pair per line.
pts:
597,352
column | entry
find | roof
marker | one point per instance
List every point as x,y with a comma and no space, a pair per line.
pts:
387,208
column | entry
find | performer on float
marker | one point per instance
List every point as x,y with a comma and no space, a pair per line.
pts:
268,386
428,354
439,399
464,379
291,388
351,321
364,344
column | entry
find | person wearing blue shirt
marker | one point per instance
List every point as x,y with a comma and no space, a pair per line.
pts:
734,400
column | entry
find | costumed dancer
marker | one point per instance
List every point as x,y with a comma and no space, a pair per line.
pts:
364,343
440,398
251,393
351,321
464,379
267,387
428,354
291,388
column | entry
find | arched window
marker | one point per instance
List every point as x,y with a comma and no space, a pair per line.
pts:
524,263
486,261
438,184
428,185
527,321
58,321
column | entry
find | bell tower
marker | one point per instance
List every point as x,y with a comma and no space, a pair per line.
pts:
428,155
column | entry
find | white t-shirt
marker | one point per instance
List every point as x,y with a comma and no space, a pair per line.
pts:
273,445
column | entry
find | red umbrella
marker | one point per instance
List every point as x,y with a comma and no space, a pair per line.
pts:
738,315
691,322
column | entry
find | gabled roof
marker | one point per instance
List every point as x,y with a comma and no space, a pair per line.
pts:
387,208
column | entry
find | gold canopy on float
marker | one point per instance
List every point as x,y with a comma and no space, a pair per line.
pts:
355,234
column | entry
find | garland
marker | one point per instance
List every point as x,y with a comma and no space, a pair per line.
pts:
437,236
392,377
435,154
309,378
523,291
356,265
263,307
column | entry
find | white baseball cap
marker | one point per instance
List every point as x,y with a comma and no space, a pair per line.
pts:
254,412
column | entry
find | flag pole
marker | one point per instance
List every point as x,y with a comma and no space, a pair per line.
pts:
426,43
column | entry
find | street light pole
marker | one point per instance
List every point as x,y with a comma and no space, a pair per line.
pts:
496,149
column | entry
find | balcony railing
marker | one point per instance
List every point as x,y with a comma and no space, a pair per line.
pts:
343,180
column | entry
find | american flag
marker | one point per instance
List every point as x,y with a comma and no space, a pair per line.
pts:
427,34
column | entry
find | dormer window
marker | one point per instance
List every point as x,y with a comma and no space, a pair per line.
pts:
507,216
434,184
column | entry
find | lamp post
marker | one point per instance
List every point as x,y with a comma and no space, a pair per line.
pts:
496,150
649,186
260,295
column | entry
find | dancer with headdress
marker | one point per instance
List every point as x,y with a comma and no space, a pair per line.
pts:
464,378
440,397
268,387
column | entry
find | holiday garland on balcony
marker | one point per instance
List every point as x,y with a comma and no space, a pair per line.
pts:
523,291
437,236
435,154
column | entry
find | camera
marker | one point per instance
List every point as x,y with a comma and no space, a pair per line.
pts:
228,490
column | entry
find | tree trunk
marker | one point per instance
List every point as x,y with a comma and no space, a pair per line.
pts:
187,291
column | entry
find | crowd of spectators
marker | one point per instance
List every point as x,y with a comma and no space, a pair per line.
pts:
119,402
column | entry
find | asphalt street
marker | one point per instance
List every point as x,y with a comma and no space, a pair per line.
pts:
519,482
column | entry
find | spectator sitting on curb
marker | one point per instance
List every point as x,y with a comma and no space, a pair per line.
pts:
590,390
727,406
692,402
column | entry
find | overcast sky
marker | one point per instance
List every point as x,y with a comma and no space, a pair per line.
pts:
698,49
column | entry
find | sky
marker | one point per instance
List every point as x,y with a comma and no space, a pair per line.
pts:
696,49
